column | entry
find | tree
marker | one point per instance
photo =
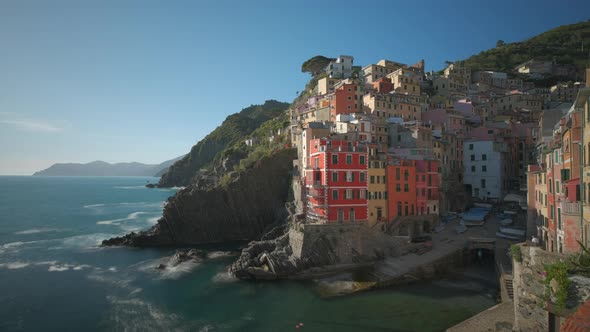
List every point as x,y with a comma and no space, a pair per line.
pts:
500,43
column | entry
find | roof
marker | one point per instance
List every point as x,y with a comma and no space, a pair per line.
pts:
579,321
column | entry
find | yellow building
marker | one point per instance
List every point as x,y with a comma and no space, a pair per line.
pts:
405,81
377,188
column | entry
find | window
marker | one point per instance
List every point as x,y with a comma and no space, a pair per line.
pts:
385,195
348,159
484,157
484,168
552,212
334,176
363,194
348,193
406,175
558,218
384,179
472,157
483,183
470,146
397,174
372,179
472,168
406,188
363,177
335,159
398,187
362,160
378,179
334,194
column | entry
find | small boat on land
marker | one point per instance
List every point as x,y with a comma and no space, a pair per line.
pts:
508,236
513,231
461,229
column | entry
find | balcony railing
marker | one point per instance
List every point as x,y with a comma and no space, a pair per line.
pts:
571,208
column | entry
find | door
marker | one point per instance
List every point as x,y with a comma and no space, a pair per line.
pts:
351,216
340,216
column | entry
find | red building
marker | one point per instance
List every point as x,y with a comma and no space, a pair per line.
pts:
336,181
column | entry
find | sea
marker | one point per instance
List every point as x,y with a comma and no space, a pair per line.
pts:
54,276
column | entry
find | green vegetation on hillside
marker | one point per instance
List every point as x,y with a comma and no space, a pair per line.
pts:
569,44
232,130
316,64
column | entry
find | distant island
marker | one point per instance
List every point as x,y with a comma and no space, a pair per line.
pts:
101,168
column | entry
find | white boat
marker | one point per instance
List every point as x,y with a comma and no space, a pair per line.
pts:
505,222
510,212
483,205
513,231
507,236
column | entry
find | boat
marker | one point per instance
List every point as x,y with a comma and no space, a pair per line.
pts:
483,205
439,228
506,222
508,236
461,229
513,231
471,223
510,212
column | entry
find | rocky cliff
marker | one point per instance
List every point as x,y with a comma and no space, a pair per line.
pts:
239,210
234,128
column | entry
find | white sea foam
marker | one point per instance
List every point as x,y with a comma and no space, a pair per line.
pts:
46,263
113,269
219,254
36,230
224,277
93,206
130,216
15,265
170,272
59,267
81,267
84,241
137,314
154,220
131,187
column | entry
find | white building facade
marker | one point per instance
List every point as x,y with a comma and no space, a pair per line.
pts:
483,168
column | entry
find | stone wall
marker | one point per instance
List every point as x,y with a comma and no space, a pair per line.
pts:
531,308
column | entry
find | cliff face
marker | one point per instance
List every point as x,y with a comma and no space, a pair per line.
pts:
233,129
241,210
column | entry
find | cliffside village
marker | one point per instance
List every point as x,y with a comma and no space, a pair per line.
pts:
390,140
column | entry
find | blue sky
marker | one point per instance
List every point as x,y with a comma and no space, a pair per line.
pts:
145,80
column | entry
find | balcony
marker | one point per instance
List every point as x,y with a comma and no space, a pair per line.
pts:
572,208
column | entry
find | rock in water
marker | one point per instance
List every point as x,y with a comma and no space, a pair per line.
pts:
239,211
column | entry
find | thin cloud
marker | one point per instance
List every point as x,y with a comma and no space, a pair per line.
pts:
32,125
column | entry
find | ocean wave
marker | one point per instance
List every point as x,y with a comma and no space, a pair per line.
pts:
85,241
130,216
37,230
56,267
15,265
139,315
220,254
169,272
143,204
224,277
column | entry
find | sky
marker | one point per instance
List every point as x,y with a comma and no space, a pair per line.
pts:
145,80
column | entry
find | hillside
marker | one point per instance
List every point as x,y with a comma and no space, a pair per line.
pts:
101,168
233,129
568,44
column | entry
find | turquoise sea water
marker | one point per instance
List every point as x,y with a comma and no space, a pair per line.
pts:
54,277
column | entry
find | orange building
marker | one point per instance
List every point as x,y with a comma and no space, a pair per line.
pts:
401,185
345,100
